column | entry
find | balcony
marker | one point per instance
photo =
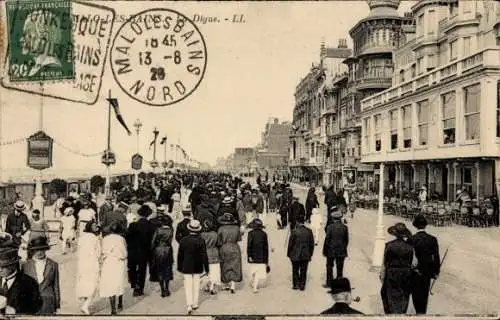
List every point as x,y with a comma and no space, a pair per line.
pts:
488,58
455,21
373,83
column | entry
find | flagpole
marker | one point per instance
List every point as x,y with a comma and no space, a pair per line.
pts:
165,153
108,149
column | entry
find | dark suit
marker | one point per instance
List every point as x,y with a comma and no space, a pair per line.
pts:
49,288
23,295
16,225
300,251
296,210
428,267
335,248
341,308
182,230
257,247
192,256
396,286
139,237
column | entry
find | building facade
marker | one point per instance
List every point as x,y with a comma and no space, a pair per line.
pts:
272,154
438,125
310,151
243,159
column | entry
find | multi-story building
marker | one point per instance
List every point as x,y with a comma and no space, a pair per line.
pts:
243,159
312,116
272,154
370,70
438,125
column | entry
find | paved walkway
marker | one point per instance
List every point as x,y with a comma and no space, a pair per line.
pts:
468,284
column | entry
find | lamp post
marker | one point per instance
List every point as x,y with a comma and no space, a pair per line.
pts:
138,126
154,163
378,248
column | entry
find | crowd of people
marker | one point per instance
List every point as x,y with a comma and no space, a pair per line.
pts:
129,235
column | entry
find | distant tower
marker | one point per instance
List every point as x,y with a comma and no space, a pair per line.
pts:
383,7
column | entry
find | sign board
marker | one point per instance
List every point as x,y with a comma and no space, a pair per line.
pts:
40,151
108,158
136,161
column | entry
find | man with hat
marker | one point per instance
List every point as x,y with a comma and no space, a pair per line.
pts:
46,273
335,246
296,210
396,271
17,222
341,293
300,251
139,237
20,289
192,261
257,252
182,230
428,266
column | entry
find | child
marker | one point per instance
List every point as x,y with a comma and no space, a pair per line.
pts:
46,272
316,222
67,228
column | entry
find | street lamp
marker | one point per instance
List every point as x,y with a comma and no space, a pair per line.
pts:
378,248
138,126
154,163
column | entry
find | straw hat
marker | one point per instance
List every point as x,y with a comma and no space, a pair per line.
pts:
20,205
194,226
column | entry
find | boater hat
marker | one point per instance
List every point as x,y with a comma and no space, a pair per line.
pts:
20,205
194,226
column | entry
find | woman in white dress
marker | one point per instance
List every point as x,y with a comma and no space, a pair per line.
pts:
89,254
114,256
84,216
177,207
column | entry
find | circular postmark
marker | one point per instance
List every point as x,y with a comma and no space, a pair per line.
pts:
158,57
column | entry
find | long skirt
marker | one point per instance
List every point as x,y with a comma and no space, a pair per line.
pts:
214,273
395,292
161,264
230,263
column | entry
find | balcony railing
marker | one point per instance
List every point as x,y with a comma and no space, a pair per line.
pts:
487,58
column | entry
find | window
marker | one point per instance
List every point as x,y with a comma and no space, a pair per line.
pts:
423,122
453,50
498,109
467,178
420,65
472,95
431,24
406,114
402,76
448,111
453,9
413,71
394,129
378,133
420,25
467,48
367,135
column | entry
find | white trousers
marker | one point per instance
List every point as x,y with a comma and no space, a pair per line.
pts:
192,289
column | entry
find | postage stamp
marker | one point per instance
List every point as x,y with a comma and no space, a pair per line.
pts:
92,25
40,40
158,57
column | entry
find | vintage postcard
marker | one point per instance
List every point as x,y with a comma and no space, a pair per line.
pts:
250,160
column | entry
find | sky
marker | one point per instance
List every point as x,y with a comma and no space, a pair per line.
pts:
252,70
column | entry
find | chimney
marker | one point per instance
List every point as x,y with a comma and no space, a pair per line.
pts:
342,43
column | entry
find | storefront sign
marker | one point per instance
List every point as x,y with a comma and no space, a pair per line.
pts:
136,161
40,151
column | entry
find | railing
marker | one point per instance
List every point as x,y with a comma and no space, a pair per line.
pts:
489,57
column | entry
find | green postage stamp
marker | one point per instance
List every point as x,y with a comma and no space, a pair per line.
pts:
40,40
